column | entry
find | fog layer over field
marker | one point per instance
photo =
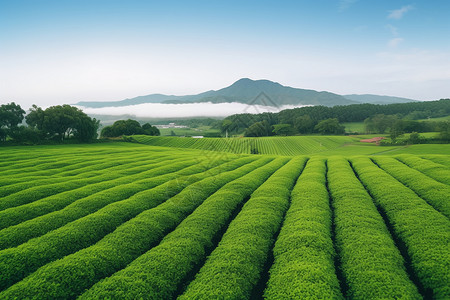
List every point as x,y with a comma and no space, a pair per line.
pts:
207,109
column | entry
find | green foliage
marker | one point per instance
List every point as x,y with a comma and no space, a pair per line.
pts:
434,170
303,253
329,126
11,115
283,129
296,145
155,222
62,121
304,124
370,262
423,231
258,129
129,127
233,269
169,263
435,193
132,238
444,130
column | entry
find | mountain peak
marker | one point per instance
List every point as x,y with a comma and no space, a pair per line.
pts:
247,91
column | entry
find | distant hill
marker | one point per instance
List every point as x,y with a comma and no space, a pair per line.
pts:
262,92
247,91
376,99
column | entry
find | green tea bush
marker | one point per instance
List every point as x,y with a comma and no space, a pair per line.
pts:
72,274
434,192
424,231
303,265
371,264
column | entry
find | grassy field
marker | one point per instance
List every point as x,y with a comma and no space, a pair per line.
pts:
291,146
132,221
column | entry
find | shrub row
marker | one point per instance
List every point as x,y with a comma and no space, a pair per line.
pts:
167,265
55,211
85,173
71,275
112,178
434,192
440,159
424,231
73,169
15,263
234,268
428,167
303,265
371,264
43,192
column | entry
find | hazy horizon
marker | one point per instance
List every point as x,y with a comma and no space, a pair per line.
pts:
56,52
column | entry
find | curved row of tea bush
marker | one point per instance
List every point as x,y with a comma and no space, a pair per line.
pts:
29,191
15,263
109,178
371,264
131,239
424,231
429,168
303,253
15,183
440,159
233,269
53,216
434,192
166,266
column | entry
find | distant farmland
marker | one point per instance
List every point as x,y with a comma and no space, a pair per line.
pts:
131,221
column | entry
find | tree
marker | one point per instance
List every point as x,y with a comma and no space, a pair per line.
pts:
329,126
62,121
225,126
396,130
128,127
257,129
85,128
283,129
11,115
35,117
304,124
444,130
415,138
151,130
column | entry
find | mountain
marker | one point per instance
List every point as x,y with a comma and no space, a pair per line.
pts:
247,91
376,99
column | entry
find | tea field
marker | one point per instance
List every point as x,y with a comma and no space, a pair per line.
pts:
291,145
132,221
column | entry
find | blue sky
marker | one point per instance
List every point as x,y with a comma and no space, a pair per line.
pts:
54,52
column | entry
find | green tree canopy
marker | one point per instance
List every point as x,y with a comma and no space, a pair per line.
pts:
283,129
330,126
62,121
128,127
11,115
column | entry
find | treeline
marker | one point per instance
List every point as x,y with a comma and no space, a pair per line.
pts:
55,123
326,120
129,127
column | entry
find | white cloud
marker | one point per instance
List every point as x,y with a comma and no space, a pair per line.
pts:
345,4
159,110
399,13
393,43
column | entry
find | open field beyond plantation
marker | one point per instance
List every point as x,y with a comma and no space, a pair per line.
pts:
132,221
